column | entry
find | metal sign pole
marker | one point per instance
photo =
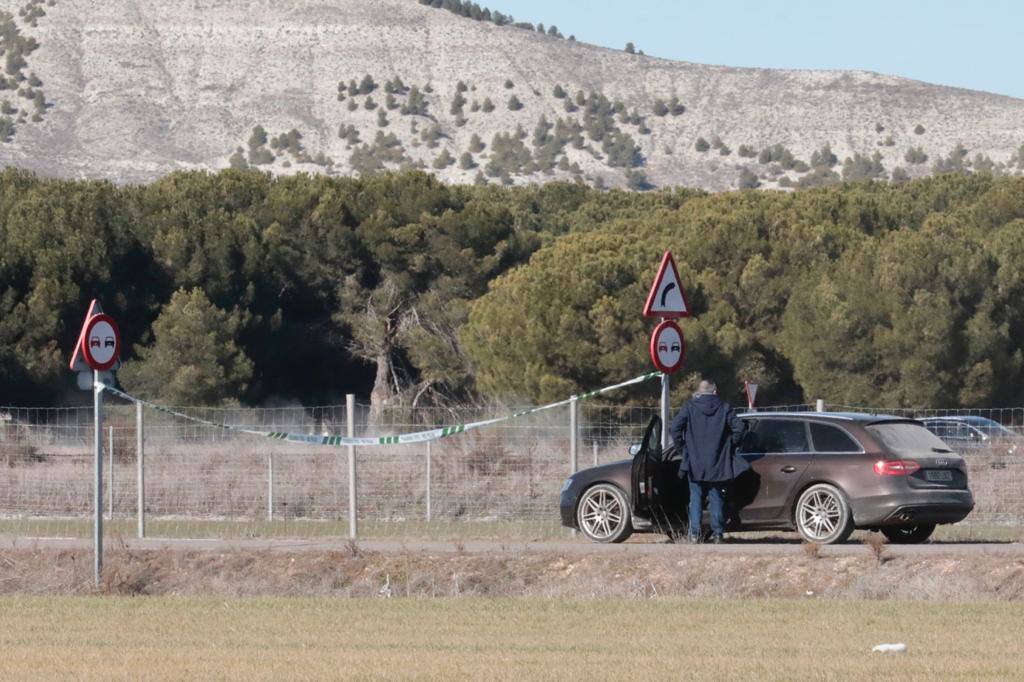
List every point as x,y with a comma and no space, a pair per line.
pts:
97,406
665,409
110,473
350,410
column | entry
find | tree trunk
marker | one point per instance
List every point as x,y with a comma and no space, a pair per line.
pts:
382,395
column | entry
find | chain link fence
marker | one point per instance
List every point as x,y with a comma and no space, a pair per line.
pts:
206,482
498,482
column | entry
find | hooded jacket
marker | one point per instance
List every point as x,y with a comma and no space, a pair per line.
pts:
707,430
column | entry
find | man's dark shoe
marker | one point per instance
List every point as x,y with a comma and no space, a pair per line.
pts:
717,539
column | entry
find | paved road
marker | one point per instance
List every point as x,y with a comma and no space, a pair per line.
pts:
574,547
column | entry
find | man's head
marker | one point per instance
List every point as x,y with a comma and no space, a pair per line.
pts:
707,387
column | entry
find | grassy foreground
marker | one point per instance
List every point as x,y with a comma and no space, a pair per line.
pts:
101,638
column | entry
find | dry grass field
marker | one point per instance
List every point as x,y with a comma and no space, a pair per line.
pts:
183,638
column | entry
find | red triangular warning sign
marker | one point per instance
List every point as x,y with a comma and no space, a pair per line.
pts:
667,297
751,390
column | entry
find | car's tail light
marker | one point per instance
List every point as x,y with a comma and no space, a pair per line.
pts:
896,467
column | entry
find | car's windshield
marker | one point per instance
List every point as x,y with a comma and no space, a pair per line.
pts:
907,439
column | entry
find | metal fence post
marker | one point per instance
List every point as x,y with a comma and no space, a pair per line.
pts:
595,453
819,405
97,436
110,465
140,461
428,480
350,419
270,487
574,444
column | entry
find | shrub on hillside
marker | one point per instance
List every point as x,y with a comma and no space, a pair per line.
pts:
366,86
748,180
779,154
823,157
864,168
443,160
915,155
415,103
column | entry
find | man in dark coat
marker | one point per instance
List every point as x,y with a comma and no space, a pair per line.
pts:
707,430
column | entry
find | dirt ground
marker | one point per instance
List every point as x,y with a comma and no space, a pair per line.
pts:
354,572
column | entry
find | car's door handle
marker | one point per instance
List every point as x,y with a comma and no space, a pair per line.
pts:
788,469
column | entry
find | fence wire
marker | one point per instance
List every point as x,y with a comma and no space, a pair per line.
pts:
500,482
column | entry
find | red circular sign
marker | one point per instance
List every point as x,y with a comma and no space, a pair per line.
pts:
101,342
668,347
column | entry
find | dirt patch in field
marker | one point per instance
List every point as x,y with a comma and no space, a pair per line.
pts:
355,573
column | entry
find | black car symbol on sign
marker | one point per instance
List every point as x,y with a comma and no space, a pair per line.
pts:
108,342
675,347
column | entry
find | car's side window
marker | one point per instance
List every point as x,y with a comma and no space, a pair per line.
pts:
828,438
750,443
781,436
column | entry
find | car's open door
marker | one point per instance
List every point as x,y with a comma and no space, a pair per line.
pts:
642,474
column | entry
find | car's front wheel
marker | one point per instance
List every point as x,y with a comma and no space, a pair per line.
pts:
823,516
908,535
603,514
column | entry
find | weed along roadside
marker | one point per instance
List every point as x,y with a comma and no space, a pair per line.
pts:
665,571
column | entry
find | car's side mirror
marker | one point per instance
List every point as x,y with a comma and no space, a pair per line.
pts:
635,448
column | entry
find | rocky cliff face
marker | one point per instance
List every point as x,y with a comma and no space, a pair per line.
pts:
133,89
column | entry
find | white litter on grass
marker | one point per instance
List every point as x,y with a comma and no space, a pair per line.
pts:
890,648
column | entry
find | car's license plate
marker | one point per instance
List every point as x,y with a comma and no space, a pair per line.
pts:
938,475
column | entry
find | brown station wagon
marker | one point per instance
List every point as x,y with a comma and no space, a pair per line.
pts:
821,474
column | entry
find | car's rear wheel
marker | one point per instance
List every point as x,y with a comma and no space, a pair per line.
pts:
603,514
823,516
908,535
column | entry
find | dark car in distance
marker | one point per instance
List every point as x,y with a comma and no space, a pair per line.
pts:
821,474
969,433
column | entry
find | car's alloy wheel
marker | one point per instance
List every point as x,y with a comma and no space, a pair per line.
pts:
603,514
823,516
908,535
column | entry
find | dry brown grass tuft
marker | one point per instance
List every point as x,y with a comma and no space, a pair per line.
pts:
812,549
878,546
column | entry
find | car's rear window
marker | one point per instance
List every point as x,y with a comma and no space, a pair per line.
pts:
829,438
906,439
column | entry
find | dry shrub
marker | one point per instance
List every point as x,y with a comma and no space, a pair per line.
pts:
877,545
812,550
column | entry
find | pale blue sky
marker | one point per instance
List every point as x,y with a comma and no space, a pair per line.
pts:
972,44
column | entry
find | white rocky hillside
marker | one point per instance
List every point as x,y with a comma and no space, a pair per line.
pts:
132,89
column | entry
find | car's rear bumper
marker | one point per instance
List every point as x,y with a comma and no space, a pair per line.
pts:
913,507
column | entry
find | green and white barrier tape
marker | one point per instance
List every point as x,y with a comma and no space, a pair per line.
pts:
419,437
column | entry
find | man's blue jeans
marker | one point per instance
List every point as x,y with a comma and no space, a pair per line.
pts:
715,494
